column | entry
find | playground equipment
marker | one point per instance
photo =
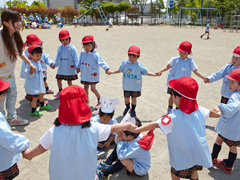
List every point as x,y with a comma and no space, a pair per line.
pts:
233,24
95,5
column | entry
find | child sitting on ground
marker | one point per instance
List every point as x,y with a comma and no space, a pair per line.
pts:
129,153
34,85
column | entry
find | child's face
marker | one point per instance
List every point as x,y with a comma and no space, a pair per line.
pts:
176,100
105,119
183,55
87,47
233,85
36,56
236,61
65,42
133,58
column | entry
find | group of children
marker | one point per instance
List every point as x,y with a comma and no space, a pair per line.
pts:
74,127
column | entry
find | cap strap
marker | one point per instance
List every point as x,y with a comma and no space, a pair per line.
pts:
185,96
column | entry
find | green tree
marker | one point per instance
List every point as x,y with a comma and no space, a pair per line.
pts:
156,7
17,3
123,6
37,4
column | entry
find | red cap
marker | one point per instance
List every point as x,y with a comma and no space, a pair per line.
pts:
64,34
33,39
147,140
4,85
185,46
134,50
236,52
234,75
87,39
73,108
188,88
33,47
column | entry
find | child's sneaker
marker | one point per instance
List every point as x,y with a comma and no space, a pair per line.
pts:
125,111
38,103
201,36
18,121
100,154
133,113
169,110
100,175
98,105
57,95
36,113
45,107
215,162
102,166
49,91
224,167
208,38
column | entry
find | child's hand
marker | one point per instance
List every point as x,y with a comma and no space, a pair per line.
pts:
78,70
206,80
100,145
217,110
119,136
159,73
52,66
32,71
43,70
132,128
25,154
108,72
106,144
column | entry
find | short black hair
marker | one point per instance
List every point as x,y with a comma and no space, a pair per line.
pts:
84,125
37,50
93,44
135,135
175,93
6,91
101,114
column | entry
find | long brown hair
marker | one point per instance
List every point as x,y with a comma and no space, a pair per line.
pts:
14,17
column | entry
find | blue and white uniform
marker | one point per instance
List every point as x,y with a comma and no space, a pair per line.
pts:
132,75
31,18
66,60
75,20
229,123
225,91
74,150
46,19
45,25
90,64
186,136
11,145
23,17
180,68
34,84
207,27
132,150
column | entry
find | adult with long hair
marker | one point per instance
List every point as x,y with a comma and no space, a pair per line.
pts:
11,46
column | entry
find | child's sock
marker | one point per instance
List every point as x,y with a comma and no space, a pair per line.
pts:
113,157
114,168
60,90
170,107
215,151
128,105
33,110
47,88
231,159
41,104
133,107
177,108
98,99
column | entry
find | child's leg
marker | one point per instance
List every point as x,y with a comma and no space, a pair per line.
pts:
95,91
45,84
69,82
128,163
113,169
174,177
127,104
194,176
113,157
134,103
231,156
217,147
34,104
86,88
59,82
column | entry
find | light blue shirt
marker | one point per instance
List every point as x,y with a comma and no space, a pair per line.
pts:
45,19
229,123
45,25
112,121
31,18
34,84
66,60
132,150
225,91
132,75
90,64
11,145
74,20
180,68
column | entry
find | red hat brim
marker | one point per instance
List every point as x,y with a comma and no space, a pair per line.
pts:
179,49
4,85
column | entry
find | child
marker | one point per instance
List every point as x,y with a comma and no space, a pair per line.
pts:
228,125
67,60
207,30
128,153
89,62
185,130
34,39
132,78
75,21
180,66
34,25
106,113
225,91
46,19
34,85
74,138
11,144
31,18
45,25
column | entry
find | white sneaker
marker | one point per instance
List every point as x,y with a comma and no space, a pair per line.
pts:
100,154
18,121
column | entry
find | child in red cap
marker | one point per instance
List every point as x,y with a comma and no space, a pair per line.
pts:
180,66
221,74
185,130
66,61
89,65
74,138
132,71
228,125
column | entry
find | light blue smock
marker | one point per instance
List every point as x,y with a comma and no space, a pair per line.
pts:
11,145
132,150
66,60
89,64
45,19
45,25
34,84
112,121
180,68
31,18
229,123
225,91
132,75
187,143
74,20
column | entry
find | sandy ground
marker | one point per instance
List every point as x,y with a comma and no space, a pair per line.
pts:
158,44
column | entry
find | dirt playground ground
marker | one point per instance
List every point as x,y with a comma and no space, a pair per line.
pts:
158,44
